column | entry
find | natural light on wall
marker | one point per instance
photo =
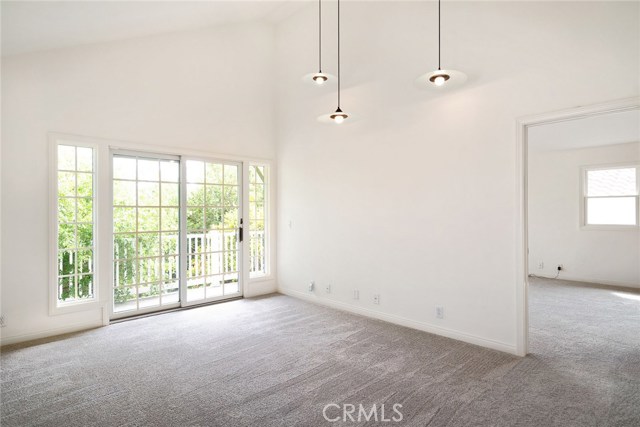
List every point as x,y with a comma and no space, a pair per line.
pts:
611,196
258,182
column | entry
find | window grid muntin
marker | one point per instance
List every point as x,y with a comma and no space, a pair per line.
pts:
75,249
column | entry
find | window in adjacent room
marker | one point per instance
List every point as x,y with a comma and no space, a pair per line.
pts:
258,217
611,196
75,224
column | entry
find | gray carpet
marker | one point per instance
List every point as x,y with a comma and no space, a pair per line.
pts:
277,361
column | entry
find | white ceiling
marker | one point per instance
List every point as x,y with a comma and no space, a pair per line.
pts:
30,26
604,129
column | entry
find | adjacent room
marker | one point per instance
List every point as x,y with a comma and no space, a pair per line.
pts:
322,212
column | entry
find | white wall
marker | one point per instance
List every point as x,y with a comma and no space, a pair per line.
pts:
416,201
555,236
208,90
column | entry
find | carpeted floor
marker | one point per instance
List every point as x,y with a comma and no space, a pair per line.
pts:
277,361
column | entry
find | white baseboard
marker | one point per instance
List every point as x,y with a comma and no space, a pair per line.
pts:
14,339
593,281
403,321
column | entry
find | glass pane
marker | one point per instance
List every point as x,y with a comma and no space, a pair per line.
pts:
148,244
214,241
149,295
66,263
195,219
230,262
148,219
169,171
214,173
170,219
170,268
85,159
260,178
195,195
148,170
611,211
66,157
84,235
66,210
124,193
214,195
124,272
214,218
231,219
85,210
66,288
124,219
124,168
230,174
85,261
231,196
231,284
612,182
194,265
170,243
66,236
170,293
148,194
124,246
149,270
195,289
66,184
230,241
195,171
124,298
85,286
214,286
195,243
214,263
170,195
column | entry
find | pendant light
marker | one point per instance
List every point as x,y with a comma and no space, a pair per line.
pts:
441,78
319,78
339,116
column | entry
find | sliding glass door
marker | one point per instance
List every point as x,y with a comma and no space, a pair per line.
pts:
177,232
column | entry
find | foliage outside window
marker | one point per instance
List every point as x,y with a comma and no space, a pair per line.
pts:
257,220
611,196
75,224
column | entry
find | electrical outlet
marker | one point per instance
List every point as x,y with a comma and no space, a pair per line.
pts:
440,312
540,265
3,321
376,299
328,288
312,285
356,294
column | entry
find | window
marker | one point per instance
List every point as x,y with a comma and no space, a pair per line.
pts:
611,196
258,188
75,224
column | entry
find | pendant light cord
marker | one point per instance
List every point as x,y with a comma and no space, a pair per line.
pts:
320,36
338,54
438,34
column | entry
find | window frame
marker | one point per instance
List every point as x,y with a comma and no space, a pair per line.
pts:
55,307
584,170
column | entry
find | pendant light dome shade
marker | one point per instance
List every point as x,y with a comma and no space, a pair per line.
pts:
320,78
339,116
